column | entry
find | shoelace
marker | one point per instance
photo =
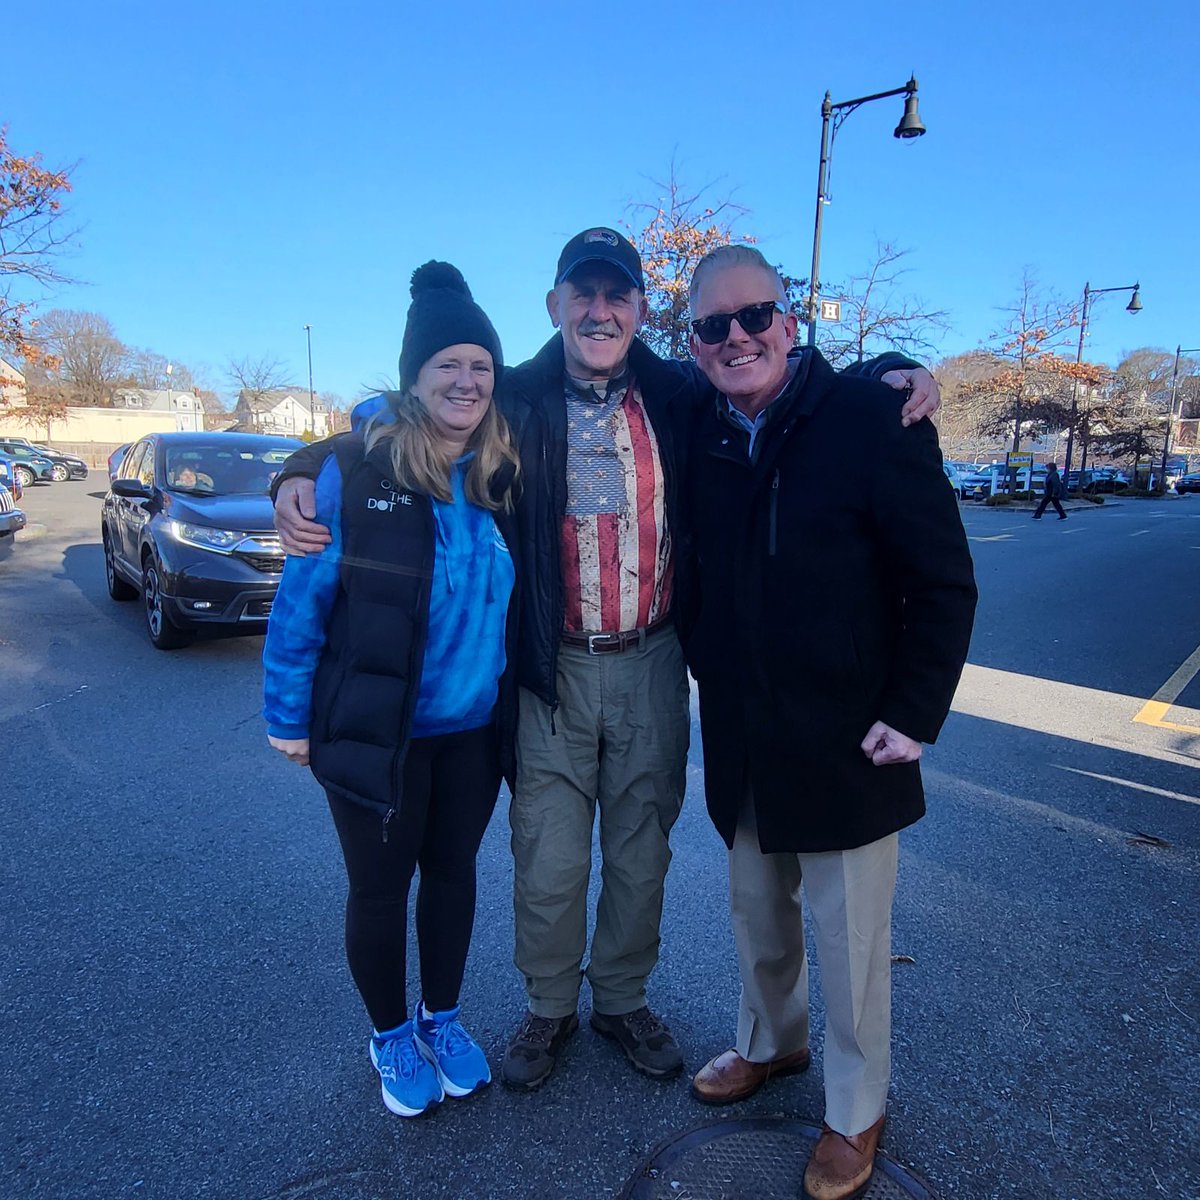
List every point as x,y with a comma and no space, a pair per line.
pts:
645,1024
451,1040
398,1057
535,1030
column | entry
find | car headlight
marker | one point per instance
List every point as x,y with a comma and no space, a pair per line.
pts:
207,538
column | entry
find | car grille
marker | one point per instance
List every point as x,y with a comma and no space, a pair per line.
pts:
256,608
268,564
267,555
6,501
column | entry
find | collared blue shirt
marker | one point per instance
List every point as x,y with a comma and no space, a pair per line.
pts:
751,427
755,426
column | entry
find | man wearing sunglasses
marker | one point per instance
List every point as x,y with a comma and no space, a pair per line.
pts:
826,628
604,712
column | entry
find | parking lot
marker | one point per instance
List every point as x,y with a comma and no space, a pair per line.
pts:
180,1022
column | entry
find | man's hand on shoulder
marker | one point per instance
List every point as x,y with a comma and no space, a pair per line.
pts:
295,512
884,745
925,396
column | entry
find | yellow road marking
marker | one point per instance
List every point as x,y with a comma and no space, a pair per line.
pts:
1154,711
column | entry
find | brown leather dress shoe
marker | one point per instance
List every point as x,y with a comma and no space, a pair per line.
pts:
841,1166
729,1077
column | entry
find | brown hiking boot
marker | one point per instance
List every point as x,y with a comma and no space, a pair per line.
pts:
647,1042
533,1050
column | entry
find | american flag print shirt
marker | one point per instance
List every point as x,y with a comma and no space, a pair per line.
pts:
616,548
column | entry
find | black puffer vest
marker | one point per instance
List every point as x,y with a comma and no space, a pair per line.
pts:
367,681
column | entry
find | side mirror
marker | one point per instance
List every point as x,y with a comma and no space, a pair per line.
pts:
134,489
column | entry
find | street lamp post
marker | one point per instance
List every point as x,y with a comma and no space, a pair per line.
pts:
312,415
1134,306
1179,350
832,116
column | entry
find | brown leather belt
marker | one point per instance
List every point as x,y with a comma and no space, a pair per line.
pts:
615,643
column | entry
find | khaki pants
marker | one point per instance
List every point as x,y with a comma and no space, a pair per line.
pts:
620,741
849,896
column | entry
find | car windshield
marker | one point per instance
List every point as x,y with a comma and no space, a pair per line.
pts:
222,470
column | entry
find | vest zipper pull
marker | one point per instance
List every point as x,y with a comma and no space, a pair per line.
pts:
391,812
553,731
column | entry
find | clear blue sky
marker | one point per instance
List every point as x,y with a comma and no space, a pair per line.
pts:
245,169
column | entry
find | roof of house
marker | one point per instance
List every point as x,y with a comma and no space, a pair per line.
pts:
10,373
277,396
153,400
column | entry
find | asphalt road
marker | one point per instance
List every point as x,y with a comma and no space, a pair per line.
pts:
179,1021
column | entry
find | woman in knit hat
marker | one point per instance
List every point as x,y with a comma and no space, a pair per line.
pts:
387,673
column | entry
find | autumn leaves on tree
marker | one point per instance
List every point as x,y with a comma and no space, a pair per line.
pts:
32,238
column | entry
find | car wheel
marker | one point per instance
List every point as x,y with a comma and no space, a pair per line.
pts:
118,588
163,634
25,475
59,473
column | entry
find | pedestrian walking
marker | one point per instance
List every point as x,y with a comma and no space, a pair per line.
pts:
388,671
1053,492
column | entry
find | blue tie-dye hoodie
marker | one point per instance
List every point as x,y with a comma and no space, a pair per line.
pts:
464,650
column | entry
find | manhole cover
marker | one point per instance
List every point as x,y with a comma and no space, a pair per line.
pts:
758,1159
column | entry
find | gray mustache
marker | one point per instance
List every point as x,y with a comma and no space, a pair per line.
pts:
602,327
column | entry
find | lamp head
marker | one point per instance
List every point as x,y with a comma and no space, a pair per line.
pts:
910,125
1135,305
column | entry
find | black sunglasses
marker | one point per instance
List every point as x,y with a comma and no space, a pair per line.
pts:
754,318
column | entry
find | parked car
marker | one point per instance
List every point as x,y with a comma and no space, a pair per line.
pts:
978,481
1188,483
995,477
12,518
9,477
187,526
115,459
30,467
1106,479
66,466
956,480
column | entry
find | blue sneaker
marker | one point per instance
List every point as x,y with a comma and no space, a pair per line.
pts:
410,1085
454,1054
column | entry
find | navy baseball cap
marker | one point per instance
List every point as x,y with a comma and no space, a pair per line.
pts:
601,245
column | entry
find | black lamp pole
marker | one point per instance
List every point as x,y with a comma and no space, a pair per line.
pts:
832,116
311,414
1134,306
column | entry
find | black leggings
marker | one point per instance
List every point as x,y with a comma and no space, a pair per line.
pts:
450,788
1041,508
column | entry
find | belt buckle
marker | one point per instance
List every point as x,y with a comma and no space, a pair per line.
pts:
613,640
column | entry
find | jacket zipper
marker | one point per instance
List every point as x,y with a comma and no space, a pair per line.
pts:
415,660
774,517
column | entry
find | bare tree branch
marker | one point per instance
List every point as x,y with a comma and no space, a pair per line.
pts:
31,238
254,380
675,233
880,315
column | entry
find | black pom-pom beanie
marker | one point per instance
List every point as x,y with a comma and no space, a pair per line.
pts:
442,314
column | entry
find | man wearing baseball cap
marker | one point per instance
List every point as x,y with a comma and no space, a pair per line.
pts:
604,705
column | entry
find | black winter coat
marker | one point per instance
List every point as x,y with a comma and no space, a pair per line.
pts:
812,605
368,676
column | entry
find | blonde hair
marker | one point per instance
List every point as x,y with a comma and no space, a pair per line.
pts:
421,461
